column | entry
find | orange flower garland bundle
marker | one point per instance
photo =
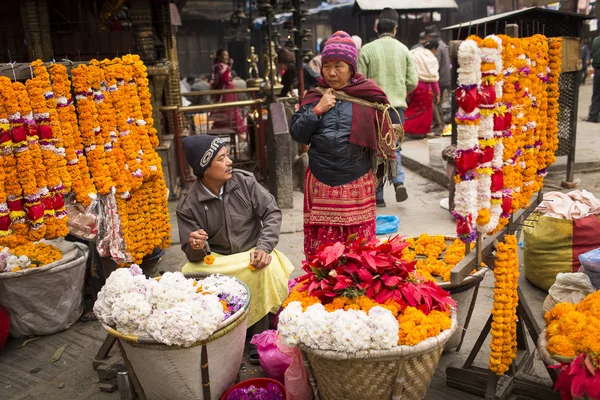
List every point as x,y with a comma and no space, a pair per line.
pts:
40,254
574,329
30,169
82,184
504,318
432,248
140,75
108,131
555,52
145,220
9,107
541,144
151,158
90,128
128,142
35,89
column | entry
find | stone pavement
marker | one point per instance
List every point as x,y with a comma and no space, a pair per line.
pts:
415,153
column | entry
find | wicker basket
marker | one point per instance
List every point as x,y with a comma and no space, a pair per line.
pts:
203,371
401,373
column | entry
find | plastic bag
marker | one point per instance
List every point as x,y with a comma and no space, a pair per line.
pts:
387,224
590,265
569,288
274,320
83,222
110,242
273,362
297,385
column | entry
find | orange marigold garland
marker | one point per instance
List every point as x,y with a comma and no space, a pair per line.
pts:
141,77
90,128
30,168
82,184
555,51
541,145
504,319
52,199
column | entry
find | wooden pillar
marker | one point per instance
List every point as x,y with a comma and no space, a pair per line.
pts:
141,21
172,93
36,24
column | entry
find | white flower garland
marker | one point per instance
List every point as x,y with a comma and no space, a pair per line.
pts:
467,147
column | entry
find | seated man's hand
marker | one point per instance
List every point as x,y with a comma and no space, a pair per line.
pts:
259,259
198,239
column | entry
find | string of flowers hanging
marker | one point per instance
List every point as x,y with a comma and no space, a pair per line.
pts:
555,51
467,147
82,184
489,173
503,347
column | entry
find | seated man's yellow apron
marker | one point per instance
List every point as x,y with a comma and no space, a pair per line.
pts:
268,286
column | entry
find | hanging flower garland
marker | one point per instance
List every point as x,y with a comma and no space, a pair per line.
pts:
140,75
82,184
54,210
467,147
504,319
90,129
30,168
541,145
14,192
489,174
5,230
555,51
108,130
508,141
128,142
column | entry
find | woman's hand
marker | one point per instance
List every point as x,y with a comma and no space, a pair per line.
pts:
437,98
326,103
259,259
198,239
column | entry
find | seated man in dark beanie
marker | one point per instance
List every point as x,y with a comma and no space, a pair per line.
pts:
229,216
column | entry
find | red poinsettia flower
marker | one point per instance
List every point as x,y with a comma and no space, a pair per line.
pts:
371,268
578,377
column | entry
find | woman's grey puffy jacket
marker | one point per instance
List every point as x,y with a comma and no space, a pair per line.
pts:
333,160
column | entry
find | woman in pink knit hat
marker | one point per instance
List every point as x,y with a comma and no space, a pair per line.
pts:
346,122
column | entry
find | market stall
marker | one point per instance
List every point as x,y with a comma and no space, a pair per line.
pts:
83,165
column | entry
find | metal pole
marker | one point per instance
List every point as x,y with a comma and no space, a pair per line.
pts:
179,145
298,40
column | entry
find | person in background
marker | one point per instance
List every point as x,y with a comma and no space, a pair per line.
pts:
389,63
421,42
228,216
419,114
223,79
185,86
312,70
347,144
443,56
585,61
287,66
594,112
200,85
357,41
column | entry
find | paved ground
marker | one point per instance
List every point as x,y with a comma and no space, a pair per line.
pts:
27,373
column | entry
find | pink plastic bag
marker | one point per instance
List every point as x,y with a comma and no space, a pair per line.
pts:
273,362
296,382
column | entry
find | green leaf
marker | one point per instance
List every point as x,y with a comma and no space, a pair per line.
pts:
25,343
58,354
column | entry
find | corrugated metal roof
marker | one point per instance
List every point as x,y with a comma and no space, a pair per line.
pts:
405,5
507,15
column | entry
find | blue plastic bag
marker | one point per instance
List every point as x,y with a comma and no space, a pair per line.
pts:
590,265
387,224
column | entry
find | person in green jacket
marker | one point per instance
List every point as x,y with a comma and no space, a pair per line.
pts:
594,114
389,63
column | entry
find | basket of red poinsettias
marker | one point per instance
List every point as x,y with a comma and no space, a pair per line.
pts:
368,325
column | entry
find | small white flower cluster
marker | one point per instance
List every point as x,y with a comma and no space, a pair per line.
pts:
222,284
469,61
9,261
345,331
168,310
